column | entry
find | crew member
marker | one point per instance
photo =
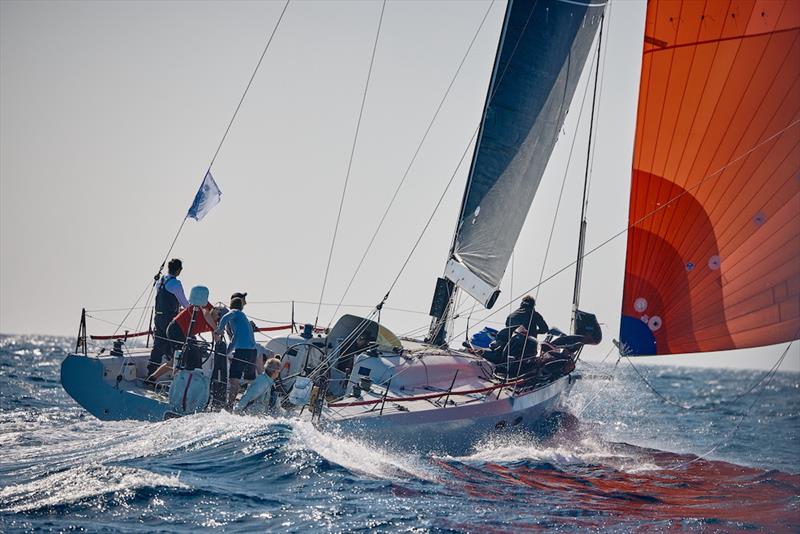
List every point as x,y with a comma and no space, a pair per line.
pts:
527,316
353,349
261,394
181,333
237,295
169,300
243,345
517,357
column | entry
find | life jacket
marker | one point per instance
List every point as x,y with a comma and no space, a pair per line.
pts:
166,303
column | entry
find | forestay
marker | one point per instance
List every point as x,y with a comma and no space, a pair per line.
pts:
541,55
713,260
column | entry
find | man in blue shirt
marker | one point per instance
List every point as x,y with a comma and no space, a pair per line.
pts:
243,345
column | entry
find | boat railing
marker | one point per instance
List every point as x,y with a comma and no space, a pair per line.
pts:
427,396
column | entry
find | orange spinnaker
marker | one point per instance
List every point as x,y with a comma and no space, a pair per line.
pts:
713,259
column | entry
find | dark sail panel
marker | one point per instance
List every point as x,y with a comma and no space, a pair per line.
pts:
542,53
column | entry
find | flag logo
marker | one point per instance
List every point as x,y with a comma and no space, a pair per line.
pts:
206,198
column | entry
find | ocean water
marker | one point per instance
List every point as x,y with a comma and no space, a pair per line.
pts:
623,460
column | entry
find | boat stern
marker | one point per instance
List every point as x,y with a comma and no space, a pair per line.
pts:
84,378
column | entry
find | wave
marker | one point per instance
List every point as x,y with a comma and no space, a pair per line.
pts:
62,468
78,484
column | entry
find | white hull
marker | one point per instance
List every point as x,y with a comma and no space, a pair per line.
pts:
455,429
414,395
92,382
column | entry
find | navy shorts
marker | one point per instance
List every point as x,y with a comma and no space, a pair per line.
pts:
243,364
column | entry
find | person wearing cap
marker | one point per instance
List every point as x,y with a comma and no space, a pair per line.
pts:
243,345
170,298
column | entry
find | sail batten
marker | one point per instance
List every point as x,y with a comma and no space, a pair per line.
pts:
713,260
542,52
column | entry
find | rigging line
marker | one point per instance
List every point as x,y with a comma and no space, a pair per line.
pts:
585,200
413,159
144,310
350,162
656,210
119,325
333,356
490,97
434,332
459,301
169,251
722,442
510,286
600,390
507,348
225,135
564,179
249,316
112,323
249,83
391,308
435,209
115,309
594,365
733,399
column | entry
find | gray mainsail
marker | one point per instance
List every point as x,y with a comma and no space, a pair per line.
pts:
542,52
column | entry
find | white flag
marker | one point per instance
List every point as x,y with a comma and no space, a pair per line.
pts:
206,198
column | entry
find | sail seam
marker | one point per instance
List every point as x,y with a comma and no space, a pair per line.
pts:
710,209
658,132
646,245
704,280
722,39
755,112
716,151
676,123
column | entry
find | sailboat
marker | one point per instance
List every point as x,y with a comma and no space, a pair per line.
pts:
713,237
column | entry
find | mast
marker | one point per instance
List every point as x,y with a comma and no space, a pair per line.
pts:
576,294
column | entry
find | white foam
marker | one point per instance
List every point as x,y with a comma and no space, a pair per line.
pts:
80,483
559,452
356,455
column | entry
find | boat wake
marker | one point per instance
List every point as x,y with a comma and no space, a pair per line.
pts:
561,451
